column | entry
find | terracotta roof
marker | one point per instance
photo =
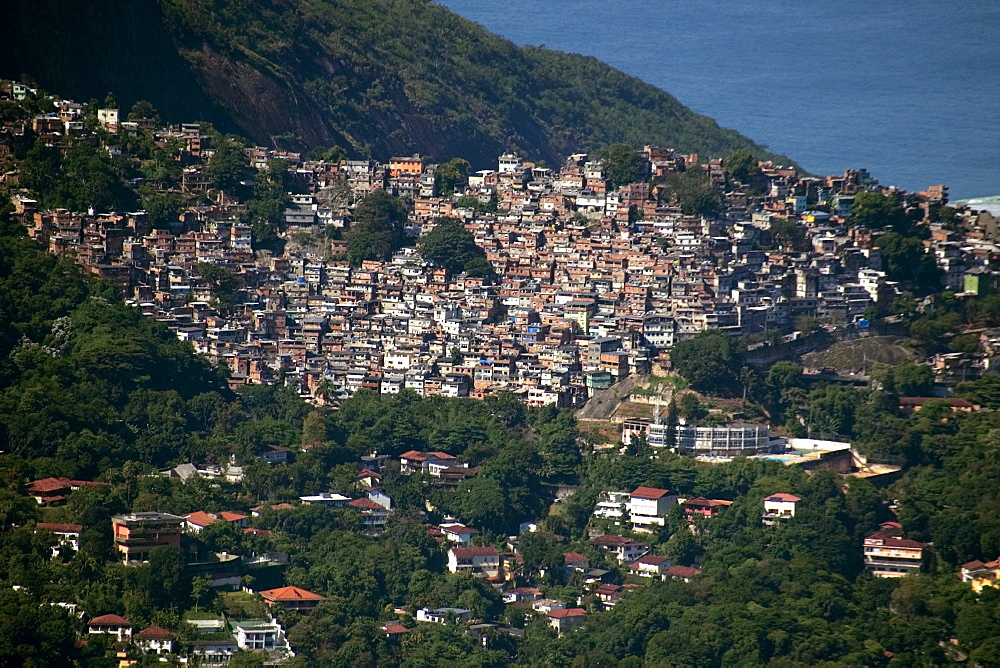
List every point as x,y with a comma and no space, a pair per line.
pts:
232,517
608,589
59,528
571,557
783,497
365,473
527,591
393,629
613,540
48,484
200,518
895,541
257,532
649,492
366,504
568,612
109,620
155,633
470,552
682,571
954,402
457,528
290,594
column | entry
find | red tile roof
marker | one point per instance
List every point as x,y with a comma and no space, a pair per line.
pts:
613,541
470,552
682,571
894,541
649,492
568,612
651,560
572,557
393,629
155,633
783,497
109,620
290,594
59,528
200,518
232,517
365,504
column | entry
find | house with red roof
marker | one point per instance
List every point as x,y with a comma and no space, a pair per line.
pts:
608,594
458,533
887,555
199,519
648,508
979,574
373,515
576,561
626,550
700,507
432,463
650,566
684,573
66,535
112,625
51,491
779,507
394,631
522,594
292,598
480,561
155,640
566,619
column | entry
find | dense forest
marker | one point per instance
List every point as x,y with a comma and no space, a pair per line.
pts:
377,78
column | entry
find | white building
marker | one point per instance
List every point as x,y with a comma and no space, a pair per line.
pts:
779,507
648,508
480,561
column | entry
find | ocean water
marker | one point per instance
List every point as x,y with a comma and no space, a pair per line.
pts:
908,90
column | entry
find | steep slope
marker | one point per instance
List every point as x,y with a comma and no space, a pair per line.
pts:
379,77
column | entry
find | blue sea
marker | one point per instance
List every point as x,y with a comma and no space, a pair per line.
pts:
908,90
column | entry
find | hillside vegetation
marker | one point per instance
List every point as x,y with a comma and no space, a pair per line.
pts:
378,77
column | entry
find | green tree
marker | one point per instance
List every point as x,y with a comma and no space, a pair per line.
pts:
622,165
144,110
450,175
449,245
874,211
694,192
709,363
741,164
377,230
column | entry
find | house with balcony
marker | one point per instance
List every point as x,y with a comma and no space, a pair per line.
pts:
700,508
110,625
888,555
650,566
648,508
625,550
779,507
67,536
479,561
566,619
136,535
980,574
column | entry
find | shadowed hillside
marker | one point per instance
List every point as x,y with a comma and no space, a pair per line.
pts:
379,77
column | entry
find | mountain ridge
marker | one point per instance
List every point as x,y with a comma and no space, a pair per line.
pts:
380,78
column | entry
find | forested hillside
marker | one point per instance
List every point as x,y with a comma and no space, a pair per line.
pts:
378,78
